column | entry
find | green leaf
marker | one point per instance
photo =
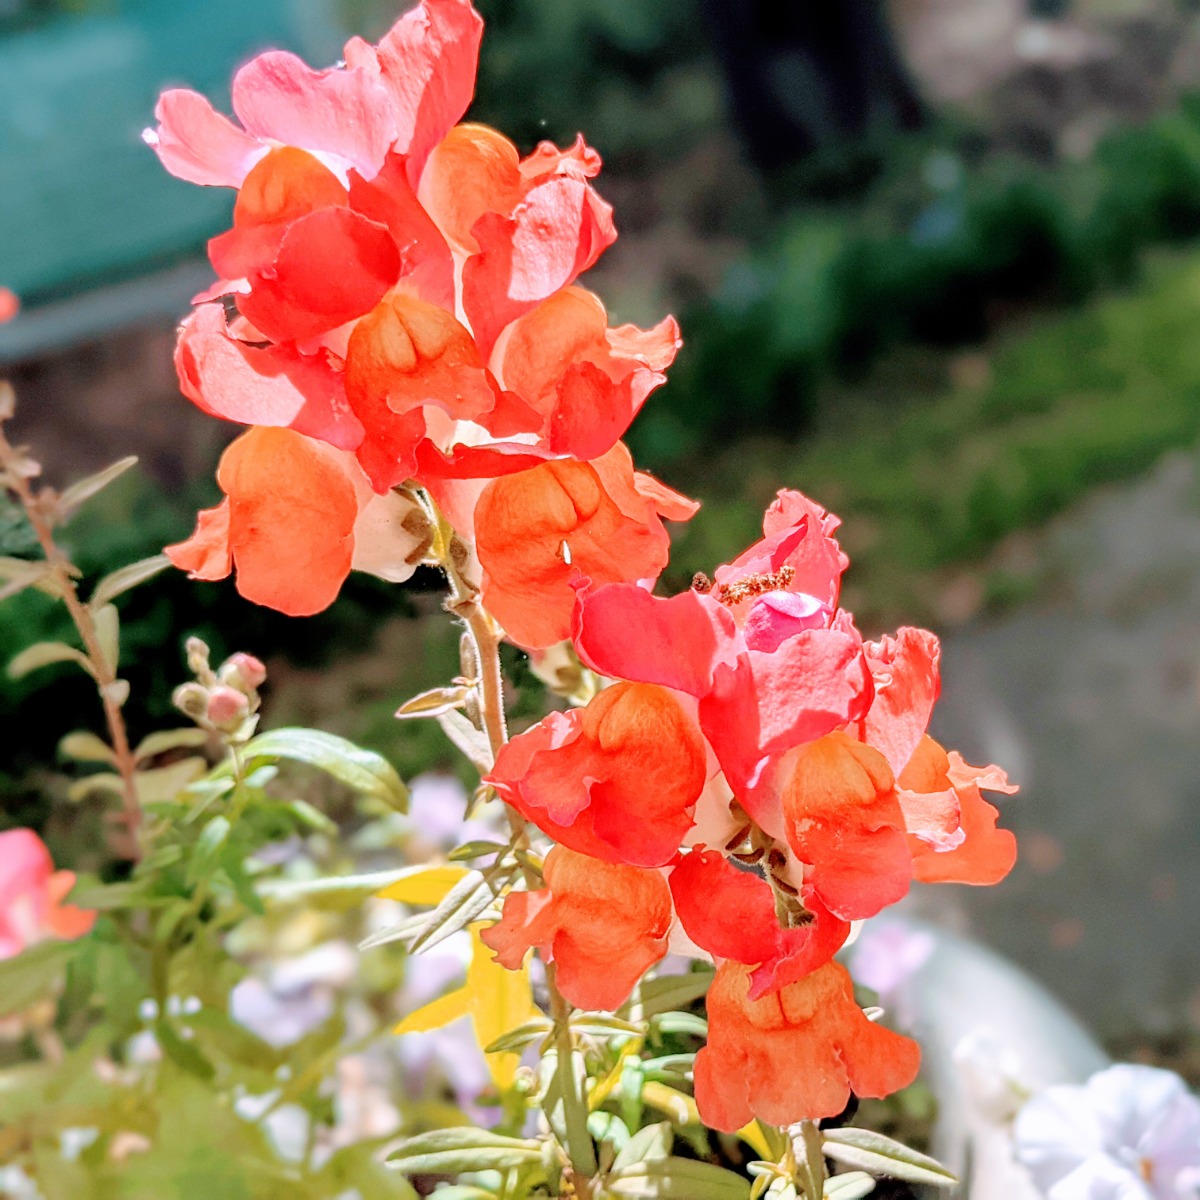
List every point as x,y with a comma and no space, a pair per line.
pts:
108,633
870,1151
351,887
477,849
655,996
85,489
682,1022
453,1151
121,580
608,1127
853,1186
650,1144
31,975
434,702
16,574
591,1024
311,818
463,903
566,1110
365,772
110,897
517,1039
208,849
182,1052
86,747
189,737
676,1179
45,654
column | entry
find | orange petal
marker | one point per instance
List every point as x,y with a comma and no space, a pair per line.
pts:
292,508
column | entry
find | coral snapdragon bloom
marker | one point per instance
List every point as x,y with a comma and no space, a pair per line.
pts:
772,666
795,1054
951,829
843,821
32,894
297,516
732,914
540,532
617,780
602,924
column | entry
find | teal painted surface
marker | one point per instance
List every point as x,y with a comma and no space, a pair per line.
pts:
83,201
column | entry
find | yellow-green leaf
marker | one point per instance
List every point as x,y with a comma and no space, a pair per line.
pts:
500,1001
437,1013
424,885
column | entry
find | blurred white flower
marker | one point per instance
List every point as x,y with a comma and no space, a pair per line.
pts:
1129,1133
886,957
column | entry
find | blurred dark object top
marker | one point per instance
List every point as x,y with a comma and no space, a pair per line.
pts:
804,76
86,205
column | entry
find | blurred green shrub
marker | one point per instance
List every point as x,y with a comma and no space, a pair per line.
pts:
939,251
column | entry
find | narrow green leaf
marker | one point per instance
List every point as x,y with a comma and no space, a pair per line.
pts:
182,1051
517,1039
470,850
208,849
650,1144
86,747
463,903
608,1127
433,703
565,1109
85,489
870,1151
453,1151
108,633
670,992
127,577
188,737
682,1023
103,781
31,975
365,772
602,1025
45,654
677,1179
853,1186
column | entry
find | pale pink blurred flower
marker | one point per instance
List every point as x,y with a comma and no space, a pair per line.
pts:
32,894
1129,1133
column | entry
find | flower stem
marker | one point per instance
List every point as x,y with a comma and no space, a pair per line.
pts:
81,615
487,638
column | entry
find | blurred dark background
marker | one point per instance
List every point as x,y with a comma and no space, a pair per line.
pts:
936,265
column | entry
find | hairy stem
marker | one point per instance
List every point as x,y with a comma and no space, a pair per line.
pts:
81,616
487,638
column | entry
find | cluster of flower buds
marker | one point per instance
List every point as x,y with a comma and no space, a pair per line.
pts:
397,318
225,701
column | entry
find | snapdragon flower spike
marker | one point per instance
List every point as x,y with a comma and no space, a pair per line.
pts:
32,894
795,1054
602,924
617,780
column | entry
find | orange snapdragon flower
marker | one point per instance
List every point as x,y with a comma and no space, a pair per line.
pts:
795,1054
540,531
617,780
602,924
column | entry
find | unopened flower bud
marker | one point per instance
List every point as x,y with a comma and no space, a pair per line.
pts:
227,707
243,671
192,700
197,658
